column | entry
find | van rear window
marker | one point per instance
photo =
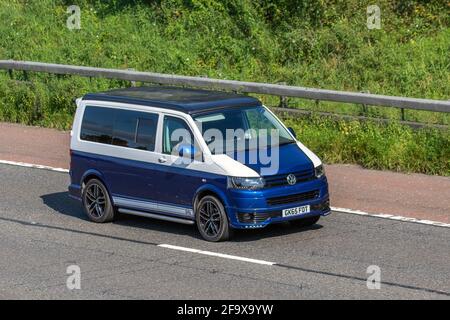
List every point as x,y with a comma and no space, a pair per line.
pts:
125,128
97,125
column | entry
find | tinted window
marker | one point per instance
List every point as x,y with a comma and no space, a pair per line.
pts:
125,125
249,127
131,129
97,125
146,133
175,131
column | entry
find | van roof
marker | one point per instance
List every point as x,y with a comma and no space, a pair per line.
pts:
186,100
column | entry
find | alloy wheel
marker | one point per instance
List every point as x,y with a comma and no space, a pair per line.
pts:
210,219
95,201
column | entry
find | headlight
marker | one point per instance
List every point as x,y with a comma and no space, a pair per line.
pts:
245,183
319,171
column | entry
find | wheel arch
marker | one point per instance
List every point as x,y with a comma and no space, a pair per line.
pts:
212,191
94,174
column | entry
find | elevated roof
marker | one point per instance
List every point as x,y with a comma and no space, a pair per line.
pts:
181,99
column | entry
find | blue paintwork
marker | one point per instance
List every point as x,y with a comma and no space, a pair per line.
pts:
245,201
291,159
140,180
220,192
179,186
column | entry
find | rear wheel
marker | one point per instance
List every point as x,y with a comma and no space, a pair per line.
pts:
96,202
305,222
212,220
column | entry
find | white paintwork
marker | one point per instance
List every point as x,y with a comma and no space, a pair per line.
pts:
233,167
221,165
78,101
315,159
216,164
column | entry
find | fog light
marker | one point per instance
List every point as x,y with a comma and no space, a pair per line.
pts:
246,217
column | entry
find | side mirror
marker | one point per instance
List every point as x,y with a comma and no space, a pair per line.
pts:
186,151
292,131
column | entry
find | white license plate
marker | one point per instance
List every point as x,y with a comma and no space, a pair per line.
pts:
296,211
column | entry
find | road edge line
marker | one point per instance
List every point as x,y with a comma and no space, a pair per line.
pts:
35,166
391,217
216,254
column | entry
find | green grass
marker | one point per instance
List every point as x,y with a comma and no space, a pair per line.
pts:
318,43
393,147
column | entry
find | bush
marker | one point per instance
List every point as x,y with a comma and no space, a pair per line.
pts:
318,43
377,146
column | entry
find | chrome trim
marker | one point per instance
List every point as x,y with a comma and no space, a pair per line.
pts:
153,206
156,216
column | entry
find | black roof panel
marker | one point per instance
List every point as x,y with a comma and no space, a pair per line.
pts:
175,98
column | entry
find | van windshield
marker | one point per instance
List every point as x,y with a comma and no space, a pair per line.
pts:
239,129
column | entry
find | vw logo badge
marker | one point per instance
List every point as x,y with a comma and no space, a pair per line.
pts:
291,179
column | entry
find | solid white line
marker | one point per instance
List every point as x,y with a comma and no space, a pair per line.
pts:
30,165
341,210
215,254
391,217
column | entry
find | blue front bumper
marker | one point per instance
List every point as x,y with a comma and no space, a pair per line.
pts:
257,209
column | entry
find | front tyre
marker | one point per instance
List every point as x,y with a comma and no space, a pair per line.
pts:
96,202
212,220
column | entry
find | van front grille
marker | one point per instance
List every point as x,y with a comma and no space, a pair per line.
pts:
256,218
298,197
281,179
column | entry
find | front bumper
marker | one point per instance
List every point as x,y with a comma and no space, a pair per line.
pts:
257,209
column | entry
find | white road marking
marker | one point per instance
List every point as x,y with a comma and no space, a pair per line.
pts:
391,217
30,165
336,209
215,254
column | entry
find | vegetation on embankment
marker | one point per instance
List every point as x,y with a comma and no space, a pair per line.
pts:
372,145
319,43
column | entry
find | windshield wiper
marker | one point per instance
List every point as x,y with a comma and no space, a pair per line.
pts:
285,143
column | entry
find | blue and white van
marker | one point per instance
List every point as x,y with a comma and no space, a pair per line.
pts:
219,160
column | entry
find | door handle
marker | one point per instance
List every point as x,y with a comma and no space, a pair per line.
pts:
162,159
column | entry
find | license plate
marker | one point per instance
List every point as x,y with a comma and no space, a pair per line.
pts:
296,211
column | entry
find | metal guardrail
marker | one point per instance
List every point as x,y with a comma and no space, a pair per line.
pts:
293,112
230,85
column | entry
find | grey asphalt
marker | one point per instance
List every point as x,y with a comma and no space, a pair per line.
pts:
42,232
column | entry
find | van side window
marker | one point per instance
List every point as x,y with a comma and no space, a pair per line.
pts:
97,125
124,128
175,131
134,129
146,133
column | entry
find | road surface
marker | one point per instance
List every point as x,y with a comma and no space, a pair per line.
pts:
42,232
417,196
